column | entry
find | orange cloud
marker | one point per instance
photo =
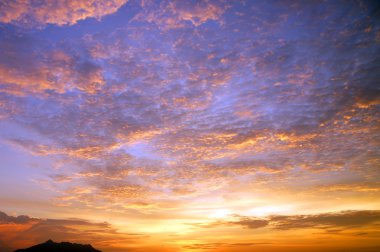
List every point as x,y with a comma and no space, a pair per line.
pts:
53,70
23,231
175,14
197,14
32,13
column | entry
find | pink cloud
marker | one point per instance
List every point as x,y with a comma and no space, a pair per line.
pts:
175,14
39,13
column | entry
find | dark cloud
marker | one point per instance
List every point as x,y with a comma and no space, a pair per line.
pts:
251,223
332,222
35,230
22,219
346,219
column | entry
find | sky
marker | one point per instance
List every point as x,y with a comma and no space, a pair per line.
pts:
183,125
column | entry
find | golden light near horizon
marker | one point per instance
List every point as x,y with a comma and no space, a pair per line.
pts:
179,125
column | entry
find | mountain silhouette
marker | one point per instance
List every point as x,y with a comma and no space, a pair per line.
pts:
51,246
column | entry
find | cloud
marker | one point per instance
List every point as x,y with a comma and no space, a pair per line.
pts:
43,68
5,219
345,219
40,13
224,245
251,223
177,14
204,246
197,13
361,188
330,221
24,231
220,92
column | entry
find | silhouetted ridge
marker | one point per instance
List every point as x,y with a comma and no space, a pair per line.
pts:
51,246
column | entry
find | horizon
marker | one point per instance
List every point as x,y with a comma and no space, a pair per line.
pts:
210,125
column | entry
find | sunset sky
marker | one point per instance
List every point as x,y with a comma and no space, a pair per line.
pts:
185,126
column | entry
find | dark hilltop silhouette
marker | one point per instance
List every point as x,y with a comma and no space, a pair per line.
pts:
51,246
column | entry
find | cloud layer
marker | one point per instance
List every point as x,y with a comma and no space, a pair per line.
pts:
242,97
177,109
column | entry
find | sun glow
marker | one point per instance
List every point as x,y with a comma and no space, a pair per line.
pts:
269,210
220,213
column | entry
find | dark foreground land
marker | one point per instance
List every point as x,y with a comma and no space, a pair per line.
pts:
51,246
